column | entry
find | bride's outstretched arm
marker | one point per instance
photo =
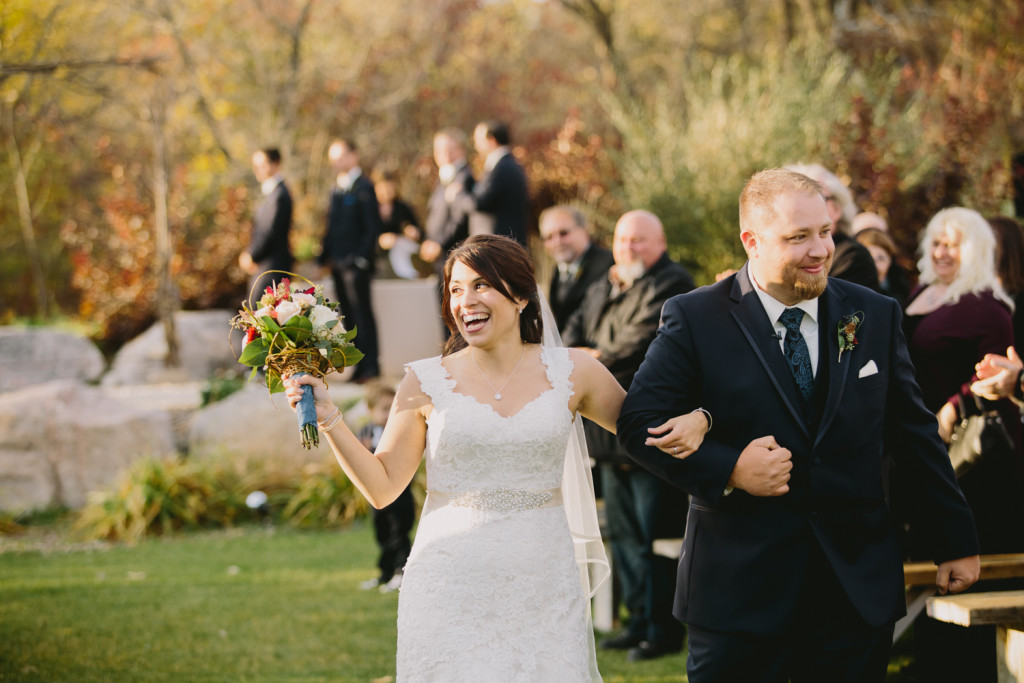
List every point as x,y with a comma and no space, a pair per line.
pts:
383,475
600,400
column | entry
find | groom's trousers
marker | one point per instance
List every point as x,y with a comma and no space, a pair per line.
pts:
826,640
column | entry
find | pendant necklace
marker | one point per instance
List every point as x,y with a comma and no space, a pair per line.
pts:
497,392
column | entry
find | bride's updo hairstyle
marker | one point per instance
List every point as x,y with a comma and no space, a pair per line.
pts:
506,266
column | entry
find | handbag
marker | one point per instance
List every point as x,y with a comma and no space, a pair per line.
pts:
980,435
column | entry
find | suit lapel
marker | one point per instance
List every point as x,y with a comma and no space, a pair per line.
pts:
832,307
760,334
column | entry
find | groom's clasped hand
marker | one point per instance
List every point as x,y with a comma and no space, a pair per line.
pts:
763,468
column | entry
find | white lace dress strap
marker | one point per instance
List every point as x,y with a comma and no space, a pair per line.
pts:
558,366
434,379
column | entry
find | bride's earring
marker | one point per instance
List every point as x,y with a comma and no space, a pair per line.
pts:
521,311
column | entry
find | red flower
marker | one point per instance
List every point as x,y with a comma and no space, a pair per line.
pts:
309,291
250,334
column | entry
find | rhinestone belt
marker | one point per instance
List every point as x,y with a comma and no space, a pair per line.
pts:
499,500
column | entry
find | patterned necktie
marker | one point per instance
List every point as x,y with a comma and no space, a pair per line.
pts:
794,348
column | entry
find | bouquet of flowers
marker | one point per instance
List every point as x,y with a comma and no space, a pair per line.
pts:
295,331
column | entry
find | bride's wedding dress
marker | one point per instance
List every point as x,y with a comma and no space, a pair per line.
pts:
492,590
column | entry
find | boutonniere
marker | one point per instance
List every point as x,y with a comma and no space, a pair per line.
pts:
848,326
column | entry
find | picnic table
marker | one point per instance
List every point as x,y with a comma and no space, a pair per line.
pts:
1004,609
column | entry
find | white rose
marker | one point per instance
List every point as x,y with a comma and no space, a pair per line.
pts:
320,316
304,300
286,310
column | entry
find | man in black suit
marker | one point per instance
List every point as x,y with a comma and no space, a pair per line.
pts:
615,323
579,262
791,567
271,224
498,204
353,226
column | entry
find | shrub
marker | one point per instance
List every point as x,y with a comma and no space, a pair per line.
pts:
221,385
161,496
156,497
325,497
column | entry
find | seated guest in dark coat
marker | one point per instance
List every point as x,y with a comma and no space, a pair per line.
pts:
892,279
579,261
616,324
400,235
1010,267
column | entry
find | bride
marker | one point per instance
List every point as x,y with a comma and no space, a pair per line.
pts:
496,586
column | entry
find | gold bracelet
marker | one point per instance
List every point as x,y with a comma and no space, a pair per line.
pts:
331,422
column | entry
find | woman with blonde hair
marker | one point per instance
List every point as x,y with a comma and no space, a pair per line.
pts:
959,313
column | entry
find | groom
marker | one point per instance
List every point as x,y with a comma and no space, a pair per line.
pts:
790,565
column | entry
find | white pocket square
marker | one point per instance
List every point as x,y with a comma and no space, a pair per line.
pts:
868,370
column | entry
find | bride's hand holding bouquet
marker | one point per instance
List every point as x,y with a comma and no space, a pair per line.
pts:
293,332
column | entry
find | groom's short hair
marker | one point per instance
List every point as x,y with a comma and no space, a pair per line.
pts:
757,200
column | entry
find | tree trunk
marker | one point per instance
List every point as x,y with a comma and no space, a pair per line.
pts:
28,231
167,296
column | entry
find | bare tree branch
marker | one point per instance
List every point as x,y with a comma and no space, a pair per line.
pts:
148,63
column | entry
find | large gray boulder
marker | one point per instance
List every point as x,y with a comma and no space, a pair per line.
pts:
202,345
36,355
63,439
253,425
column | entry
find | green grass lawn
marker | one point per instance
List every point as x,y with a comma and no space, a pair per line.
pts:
239,605
249,604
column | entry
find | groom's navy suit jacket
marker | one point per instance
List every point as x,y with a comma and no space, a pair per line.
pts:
745,558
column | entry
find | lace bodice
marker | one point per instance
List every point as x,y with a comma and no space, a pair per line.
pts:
470,446
492,588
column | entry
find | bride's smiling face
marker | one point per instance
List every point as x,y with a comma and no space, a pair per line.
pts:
482,313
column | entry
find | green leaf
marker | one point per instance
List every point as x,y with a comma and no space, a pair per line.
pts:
271,324
255,353
298,328
345,356
274,383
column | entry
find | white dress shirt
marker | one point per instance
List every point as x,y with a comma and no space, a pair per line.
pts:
808,327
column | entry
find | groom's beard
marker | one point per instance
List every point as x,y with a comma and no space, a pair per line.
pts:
807,286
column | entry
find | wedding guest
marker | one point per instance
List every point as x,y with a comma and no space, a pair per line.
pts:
959,313
579,261
392,524
353,225
1010,267
616,323
268,248
791,568
892,280
1000,377
851,261
447,222
493,590
866,220
400,230
498,203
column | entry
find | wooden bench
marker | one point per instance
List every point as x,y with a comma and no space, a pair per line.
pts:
1005,609
919,578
